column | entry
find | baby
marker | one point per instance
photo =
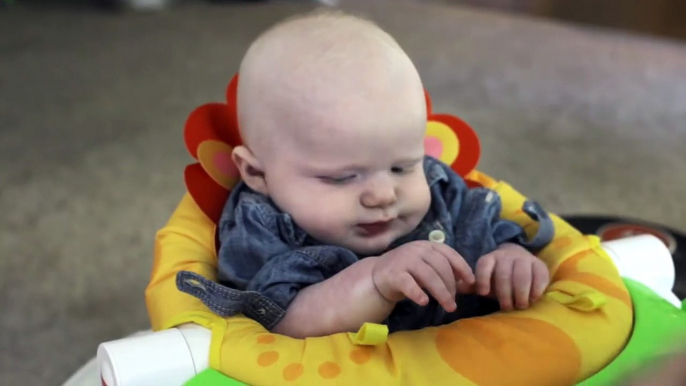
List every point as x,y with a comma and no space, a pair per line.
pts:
341,218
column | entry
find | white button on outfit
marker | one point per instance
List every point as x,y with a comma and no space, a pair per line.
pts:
437,236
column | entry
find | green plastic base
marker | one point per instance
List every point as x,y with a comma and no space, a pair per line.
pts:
656,324
211,377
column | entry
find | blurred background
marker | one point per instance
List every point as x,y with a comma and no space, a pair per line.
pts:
656,17
579,104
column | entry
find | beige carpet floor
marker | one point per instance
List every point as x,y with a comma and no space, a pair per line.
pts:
92,108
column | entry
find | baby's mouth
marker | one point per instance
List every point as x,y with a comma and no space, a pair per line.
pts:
374,228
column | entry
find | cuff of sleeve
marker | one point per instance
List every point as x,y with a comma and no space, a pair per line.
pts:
225,301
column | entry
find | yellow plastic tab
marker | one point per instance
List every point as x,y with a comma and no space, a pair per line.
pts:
370,334
585,301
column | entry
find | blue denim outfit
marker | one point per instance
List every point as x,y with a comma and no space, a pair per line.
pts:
264,258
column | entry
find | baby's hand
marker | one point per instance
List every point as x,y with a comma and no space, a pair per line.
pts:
511,271
438,268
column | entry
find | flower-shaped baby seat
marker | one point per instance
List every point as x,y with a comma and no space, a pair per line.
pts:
580,326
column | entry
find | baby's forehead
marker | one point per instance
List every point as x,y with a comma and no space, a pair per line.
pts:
340,129
303,75
307,49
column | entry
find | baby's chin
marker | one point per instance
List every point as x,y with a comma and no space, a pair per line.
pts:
374,245
365,248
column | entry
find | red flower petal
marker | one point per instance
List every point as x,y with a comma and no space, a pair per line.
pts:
206,193
232,93
470,147
231,97
211,121
428,103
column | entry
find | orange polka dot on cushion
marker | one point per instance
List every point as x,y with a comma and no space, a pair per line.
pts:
293,372
361,355
265,339
329,370
267,358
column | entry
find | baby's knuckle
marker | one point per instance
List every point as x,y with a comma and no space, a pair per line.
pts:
433,257
417,264
504,254
485,260
416,245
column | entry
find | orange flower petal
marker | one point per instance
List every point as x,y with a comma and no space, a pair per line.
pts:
471,184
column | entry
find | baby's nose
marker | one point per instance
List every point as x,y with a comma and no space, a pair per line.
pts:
379,197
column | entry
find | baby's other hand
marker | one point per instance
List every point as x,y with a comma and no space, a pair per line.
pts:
412,267
512,275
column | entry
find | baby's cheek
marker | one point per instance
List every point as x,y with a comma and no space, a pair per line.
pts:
335,212
417,196
325,217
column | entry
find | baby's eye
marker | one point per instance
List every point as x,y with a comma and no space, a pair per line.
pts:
401,170
337,180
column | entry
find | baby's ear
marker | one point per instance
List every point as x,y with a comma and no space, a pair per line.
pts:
252,172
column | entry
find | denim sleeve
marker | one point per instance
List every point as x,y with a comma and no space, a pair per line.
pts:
273,288
475,216
283,276
261,267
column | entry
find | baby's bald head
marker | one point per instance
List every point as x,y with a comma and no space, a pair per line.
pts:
314,68
333,115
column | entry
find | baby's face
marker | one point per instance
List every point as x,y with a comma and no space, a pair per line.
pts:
352,175
337,130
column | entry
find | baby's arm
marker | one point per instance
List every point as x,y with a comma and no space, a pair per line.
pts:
304,291
341,303
368,290
298,291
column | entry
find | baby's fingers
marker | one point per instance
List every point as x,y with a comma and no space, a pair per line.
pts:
428,278
521,282
484,274
463,272
408,286
503,283
442,267
540,281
